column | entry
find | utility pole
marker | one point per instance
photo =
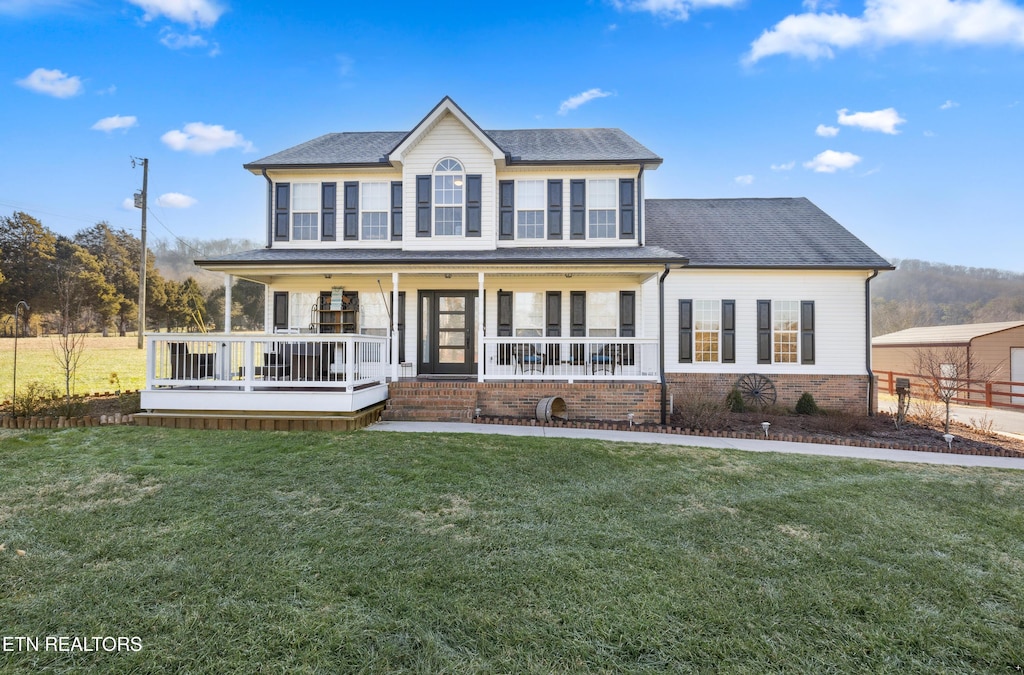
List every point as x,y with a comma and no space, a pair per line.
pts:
140,203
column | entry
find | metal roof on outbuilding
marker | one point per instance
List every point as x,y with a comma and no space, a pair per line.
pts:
960,334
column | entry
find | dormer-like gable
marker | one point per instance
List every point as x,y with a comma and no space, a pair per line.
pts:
449,184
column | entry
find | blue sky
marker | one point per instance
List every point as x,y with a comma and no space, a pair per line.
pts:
900,118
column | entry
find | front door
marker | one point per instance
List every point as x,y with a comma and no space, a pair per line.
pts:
447,321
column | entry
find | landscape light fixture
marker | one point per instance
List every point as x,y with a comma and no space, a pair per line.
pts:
765,425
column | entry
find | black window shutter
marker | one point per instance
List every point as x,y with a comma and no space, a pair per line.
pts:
351,210
328,209
807,332
554,209
282,204
577,209
578,313
473,198
627,209
396,210
686,331
401,325
506,209
504,313
553,314
422,206
764,331
728,331
627,313
280,310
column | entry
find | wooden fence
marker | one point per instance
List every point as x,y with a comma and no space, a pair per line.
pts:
990,394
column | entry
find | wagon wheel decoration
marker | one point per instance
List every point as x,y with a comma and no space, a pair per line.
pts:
756,390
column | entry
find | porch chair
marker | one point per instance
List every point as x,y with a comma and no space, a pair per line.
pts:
605,358
531,357
188,366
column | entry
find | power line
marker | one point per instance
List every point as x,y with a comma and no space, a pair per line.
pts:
36,209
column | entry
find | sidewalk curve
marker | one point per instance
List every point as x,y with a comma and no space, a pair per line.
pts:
748,445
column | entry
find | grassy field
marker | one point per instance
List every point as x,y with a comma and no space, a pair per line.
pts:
374,552
102,356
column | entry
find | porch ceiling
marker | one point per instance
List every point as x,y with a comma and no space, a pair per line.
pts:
277,274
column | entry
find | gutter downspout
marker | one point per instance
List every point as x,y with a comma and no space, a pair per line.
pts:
867,342
640,205
661,343
270,209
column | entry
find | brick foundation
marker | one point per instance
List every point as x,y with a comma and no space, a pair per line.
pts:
458,400
831,392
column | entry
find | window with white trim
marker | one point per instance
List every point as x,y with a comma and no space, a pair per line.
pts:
602,314
305,211
707,316
530,209
601,205
528,314
449,197
785,331
375,201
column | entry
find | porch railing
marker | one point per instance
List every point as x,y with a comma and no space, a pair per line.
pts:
570,359
251,362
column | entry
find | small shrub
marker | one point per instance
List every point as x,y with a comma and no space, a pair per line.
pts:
734,401
701,410
130,403
35,398
927,412
806,405
842,423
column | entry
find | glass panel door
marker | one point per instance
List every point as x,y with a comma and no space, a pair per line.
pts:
447,327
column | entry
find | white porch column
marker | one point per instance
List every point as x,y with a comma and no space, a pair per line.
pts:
481,348
394,327
228,281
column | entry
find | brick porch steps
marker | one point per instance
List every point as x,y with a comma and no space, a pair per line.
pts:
257,421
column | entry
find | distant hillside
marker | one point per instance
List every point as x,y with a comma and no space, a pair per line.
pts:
920,293
174,258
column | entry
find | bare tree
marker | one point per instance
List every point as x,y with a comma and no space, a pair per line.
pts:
70,284
948,371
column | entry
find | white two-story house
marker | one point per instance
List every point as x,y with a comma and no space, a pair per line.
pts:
456,272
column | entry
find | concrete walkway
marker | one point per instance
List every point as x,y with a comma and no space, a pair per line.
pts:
707,442
1010,422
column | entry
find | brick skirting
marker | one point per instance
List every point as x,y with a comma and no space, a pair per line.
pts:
458,400
832,392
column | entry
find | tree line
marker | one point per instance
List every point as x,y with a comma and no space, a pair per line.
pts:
919,293
89,282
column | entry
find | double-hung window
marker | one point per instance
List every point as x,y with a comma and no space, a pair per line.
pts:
529,314
449,181
603,314
785,331
601,209
376,200
530,209
707,315
305,211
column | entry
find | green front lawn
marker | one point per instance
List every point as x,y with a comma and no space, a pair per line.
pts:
274,552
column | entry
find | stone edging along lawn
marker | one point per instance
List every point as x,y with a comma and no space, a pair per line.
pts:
54,422
794,438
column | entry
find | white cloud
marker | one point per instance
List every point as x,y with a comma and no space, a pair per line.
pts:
929,134
128,204
674,10
190,12
879,120
204,139
815,35
115,122
52,83
826,131
949,104
744,180
173,40
788,166
579,99
830,161
175,200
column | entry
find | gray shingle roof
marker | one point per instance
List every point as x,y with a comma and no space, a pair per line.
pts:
541,255
784,232
519,145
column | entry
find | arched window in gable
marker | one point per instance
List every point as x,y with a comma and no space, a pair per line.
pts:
449,197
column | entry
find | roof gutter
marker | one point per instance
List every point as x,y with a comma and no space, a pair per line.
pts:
867,342
270,209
